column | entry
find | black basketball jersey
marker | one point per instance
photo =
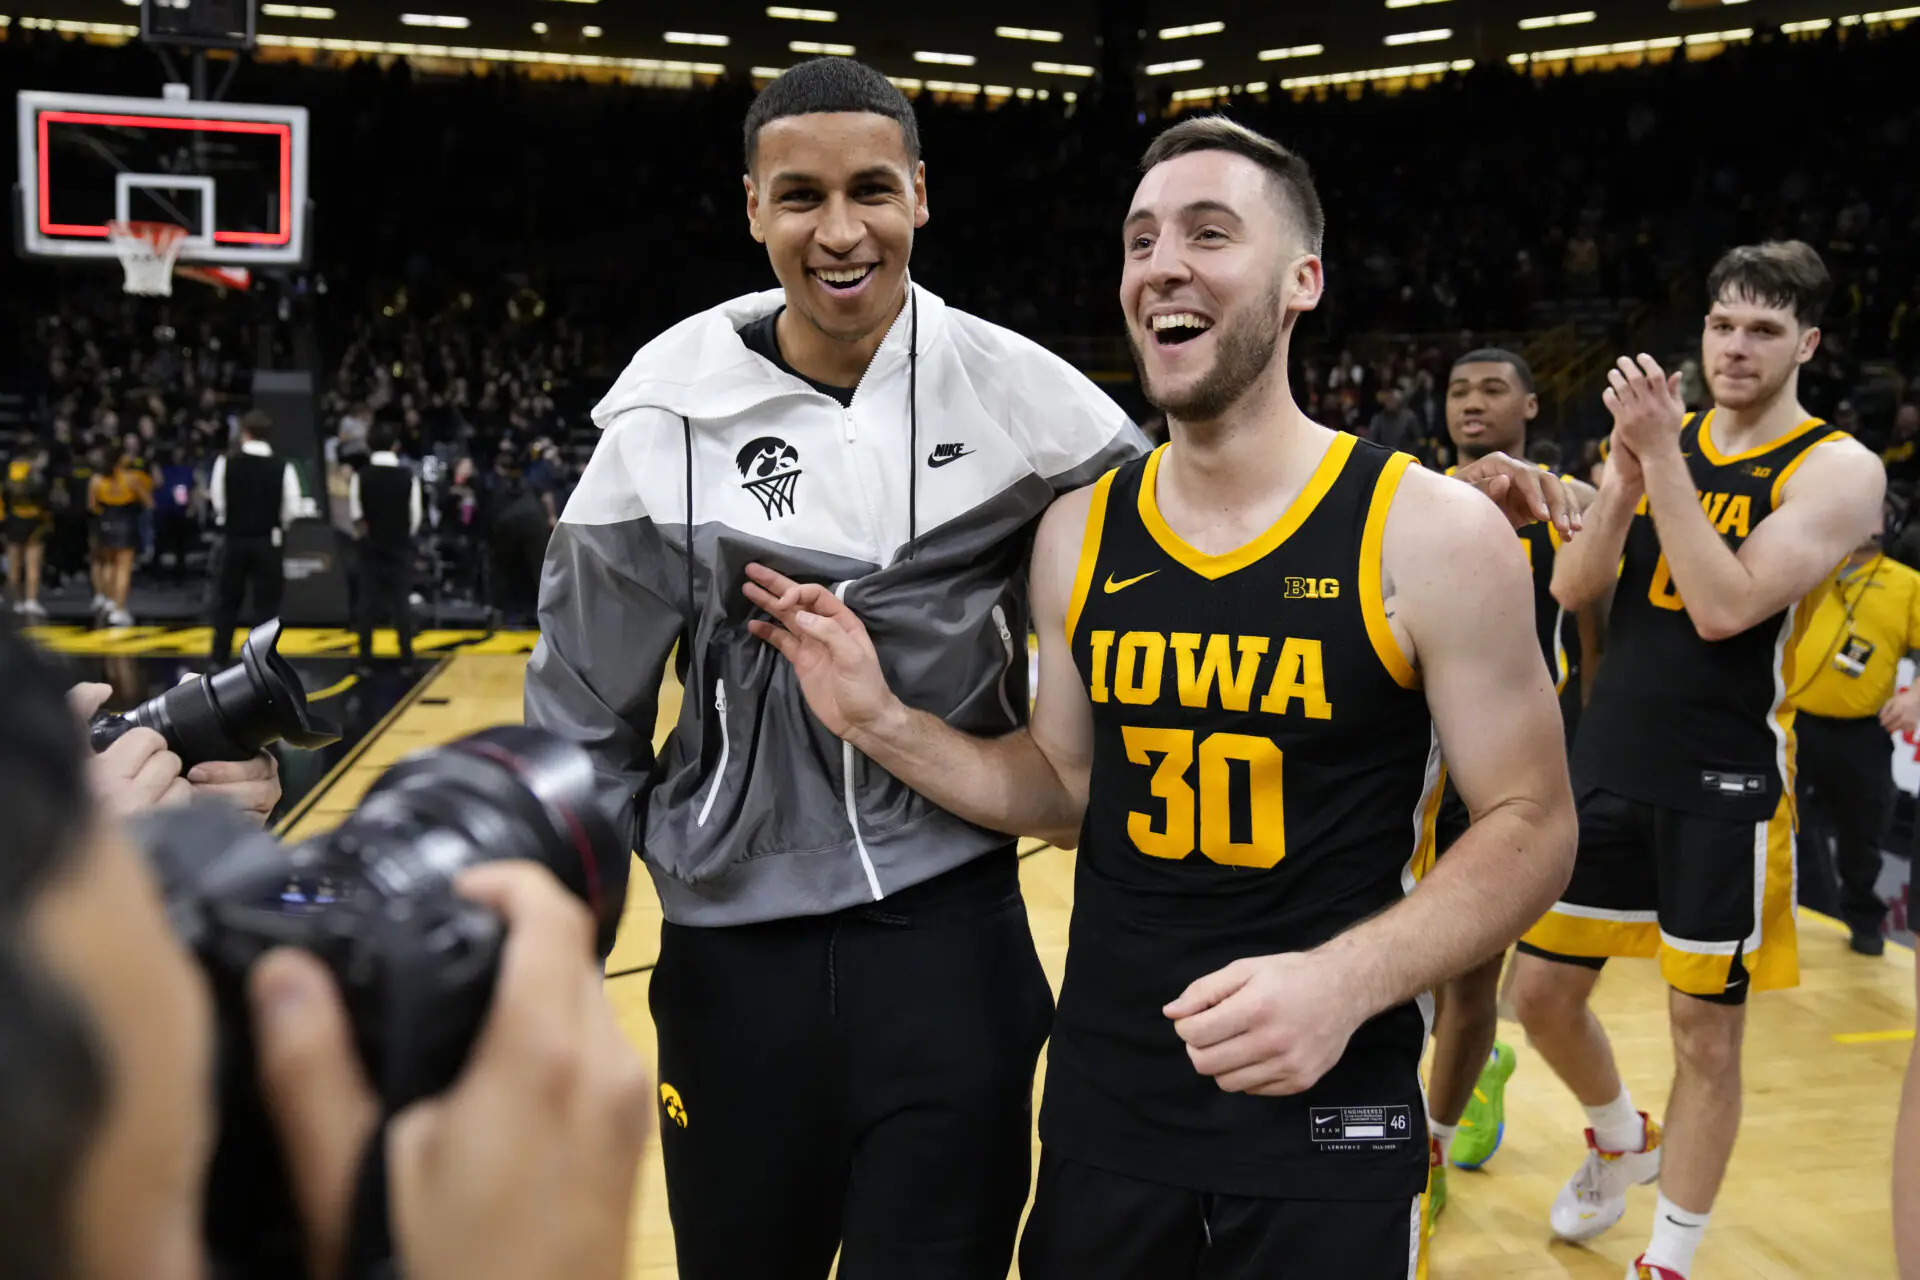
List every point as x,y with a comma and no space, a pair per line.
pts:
1556,629
1265,775
1691,724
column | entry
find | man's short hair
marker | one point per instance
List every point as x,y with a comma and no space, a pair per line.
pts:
830,84
1780,273
382,438
53,1082
1290,173
1522,372
257,424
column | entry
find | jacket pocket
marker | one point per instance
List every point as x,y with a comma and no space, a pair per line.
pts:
726,753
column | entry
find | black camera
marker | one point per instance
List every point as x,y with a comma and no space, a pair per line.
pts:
374,900
231,714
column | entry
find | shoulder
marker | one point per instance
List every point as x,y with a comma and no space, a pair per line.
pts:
1439,529
1837,468
1064,525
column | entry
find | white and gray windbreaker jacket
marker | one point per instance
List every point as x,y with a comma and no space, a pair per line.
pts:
917,504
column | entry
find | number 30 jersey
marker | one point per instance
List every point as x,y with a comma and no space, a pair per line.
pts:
1264,777
1696,725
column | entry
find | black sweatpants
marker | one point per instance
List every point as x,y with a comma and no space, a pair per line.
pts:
1845,788
860,1081
1092,1224
254,562
386,580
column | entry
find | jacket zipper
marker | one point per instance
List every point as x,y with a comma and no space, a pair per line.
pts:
726,749
1006,639
846,773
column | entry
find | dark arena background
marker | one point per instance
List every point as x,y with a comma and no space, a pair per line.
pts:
451,230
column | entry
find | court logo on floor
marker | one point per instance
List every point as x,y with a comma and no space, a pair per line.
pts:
676,1109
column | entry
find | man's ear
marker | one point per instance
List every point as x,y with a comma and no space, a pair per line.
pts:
920,211
753,208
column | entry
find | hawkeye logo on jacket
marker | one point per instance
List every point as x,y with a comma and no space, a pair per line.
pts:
770,471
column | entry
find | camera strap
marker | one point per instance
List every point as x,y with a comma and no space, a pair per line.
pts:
369,1253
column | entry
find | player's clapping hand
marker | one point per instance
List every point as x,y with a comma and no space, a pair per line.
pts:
1266,1025
828,646
1646,406
1523,492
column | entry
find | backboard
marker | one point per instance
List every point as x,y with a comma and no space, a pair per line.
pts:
233,174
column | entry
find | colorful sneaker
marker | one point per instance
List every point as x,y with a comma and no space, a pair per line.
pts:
1436,1184
1641,1269
1484,1123
1595,1197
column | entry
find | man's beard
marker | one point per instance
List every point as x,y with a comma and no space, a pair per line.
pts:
1246,347
1764,392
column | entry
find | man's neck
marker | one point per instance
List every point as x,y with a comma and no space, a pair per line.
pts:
826,359
1742,430
1470,454
1256,455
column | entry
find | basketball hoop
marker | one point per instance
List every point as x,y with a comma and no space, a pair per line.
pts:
148,251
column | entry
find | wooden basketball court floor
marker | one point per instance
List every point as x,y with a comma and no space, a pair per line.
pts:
1807,1195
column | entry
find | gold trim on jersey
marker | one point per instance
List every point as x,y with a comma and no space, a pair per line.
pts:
1786,472
1718,459
1372,606
1212,567
1089,550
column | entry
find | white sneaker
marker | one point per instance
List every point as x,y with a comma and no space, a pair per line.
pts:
1595,1197
119,618
100,603
33,609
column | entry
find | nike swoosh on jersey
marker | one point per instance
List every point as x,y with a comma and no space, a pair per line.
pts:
1111,586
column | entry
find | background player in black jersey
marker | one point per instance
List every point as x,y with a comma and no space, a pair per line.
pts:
1238,1009
1684,761
1490,402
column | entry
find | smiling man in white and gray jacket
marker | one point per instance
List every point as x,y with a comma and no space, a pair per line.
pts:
848,1000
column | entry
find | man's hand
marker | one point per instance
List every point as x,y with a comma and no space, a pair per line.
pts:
1902,712
251,786
1523,492
137,772
828,646
1623,464
526,1166
1268,1025
1646,406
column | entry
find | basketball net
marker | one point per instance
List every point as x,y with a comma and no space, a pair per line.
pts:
148,251
775,492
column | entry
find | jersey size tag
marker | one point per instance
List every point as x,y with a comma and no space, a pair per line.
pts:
1732,784
1853,657
1352,1128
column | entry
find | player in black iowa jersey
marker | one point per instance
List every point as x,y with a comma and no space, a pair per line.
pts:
1720,529
1252,643
1490,402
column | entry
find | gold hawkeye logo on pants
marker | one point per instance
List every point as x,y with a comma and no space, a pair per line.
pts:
670,1099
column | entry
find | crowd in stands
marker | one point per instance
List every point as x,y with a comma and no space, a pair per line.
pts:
491,249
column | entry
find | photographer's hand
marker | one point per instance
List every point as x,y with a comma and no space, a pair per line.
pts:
527,1165
137,772
251,786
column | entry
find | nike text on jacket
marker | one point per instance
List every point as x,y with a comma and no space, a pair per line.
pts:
712,458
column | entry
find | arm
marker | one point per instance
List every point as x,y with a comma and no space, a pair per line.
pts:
1826,510
217,491
1461,604
293,499
414,512
355,512
611,596
1586,569
1029,782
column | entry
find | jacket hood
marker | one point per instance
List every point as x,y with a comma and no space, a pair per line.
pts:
700,369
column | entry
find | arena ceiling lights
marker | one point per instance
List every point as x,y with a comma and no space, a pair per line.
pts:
1028,33
694,37
944,59
1292,51
815,46
801,15
1062,69
1558,20
1193,29
1420,37
452,22
1174,68
297,11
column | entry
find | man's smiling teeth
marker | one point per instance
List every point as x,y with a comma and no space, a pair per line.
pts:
847,275
1180,320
